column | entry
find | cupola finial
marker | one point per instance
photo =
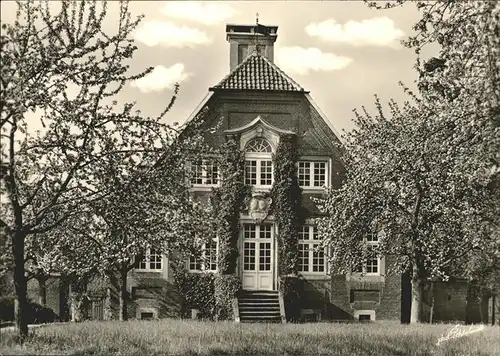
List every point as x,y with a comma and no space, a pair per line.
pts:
257,49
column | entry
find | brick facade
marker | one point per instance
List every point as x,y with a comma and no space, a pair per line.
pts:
330,297
281,103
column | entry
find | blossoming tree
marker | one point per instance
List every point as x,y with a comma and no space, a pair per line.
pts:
424,176
61,172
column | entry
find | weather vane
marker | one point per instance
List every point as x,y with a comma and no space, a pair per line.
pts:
257,49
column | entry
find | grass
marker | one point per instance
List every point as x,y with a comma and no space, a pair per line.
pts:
176,337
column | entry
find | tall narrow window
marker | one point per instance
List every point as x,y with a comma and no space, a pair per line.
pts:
371,262
311,257
258,163
257,247
251,172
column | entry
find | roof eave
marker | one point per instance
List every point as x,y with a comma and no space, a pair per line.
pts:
324,117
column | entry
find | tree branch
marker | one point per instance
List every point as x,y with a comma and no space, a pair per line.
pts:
37,188
50,226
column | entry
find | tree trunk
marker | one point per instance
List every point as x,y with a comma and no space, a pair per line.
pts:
20,283
63,298
493,306
110,310
42,291
406,297
472,306
483,307
123,294
431,316
79,300
107,313
417,294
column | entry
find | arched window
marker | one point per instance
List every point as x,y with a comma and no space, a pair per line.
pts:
258,163
258,145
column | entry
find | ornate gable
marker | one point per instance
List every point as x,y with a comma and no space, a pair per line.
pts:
258,128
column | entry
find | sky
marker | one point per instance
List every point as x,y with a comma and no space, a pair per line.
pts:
341,51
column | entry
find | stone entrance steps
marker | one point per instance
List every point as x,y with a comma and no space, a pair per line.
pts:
259,307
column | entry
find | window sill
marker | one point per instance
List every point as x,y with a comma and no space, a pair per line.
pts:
314,189
198,271
203,187
365,278
315,275
147,270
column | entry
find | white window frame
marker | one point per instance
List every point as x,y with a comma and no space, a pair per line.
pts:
147,261
311,162
370,243
259,158
203,261
204,164
311,244
261,235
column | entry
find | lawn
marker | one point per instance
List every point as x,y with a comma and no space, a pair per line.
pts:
175,337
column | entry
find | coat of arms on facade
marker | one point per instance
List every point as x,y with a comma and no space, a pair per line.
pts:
258,207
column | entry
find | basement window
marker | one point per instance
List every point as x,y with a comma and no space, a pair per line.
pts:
364,315
147,316
146,313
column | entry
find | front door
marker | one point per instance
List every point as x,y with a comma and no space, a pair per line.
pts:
257,257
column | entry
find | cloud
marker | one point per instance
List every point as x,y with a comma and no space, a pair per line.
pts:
301,60
161,78
167,34
204,13
377,31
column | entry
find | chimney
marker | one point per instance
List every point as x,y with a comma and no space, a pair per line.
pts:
245,39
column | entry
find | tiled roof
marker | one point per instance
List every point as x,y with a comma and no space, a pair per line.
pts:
257,73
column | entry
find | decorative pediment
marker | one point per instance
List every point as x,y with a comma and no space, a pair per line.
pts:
258,128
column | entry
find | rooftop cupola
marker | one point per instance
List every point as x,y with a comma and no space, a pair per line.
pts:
245,39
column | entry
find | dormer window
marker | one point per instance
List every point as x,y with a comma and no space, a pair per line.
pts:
258,163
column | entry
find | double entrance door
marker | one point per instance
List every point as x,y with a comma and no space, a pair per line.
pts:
257,257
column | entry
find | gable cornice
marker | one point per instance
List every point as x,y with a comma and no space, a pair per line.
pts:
255,122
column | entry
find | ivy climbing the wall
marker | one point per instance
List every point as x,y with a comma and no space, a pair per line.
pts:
286,208
196,291
227,203
287,201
